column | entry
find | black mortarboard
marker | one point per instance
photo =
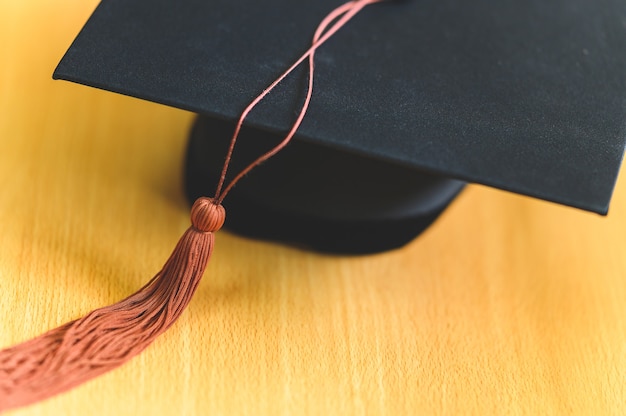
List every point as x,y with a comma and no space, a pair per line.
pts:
411,99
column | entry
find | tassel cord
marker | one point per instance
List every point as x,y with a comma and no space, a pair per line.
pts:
343,13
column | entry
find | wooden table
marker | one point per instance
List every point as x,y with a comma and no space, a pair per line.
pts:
506,305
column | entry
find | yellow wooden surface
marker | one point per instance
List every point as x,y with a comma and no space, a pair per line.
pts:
506,305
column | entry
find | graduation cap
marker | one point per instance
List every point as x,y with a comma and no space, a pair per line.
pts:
412,99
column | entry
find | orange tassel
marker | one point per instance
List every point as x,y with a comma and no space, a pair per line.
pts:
108,337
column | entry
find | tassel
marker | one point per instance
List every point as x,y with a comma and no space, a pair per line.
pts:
108,337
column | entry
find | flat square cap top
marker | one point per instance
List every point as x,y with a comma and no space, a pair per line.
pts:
523,95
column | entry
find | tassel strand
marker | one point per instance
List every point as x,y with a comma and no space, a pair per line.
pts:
108,337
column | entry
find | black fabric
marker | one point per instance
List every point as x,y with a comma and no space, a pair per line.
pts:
522,95
249,219
315,197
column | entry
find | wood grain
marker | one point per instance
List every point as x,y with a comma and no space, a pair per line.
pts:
506,305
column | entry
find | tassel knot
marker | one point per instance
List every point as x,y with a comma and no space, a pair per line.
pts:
207,216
